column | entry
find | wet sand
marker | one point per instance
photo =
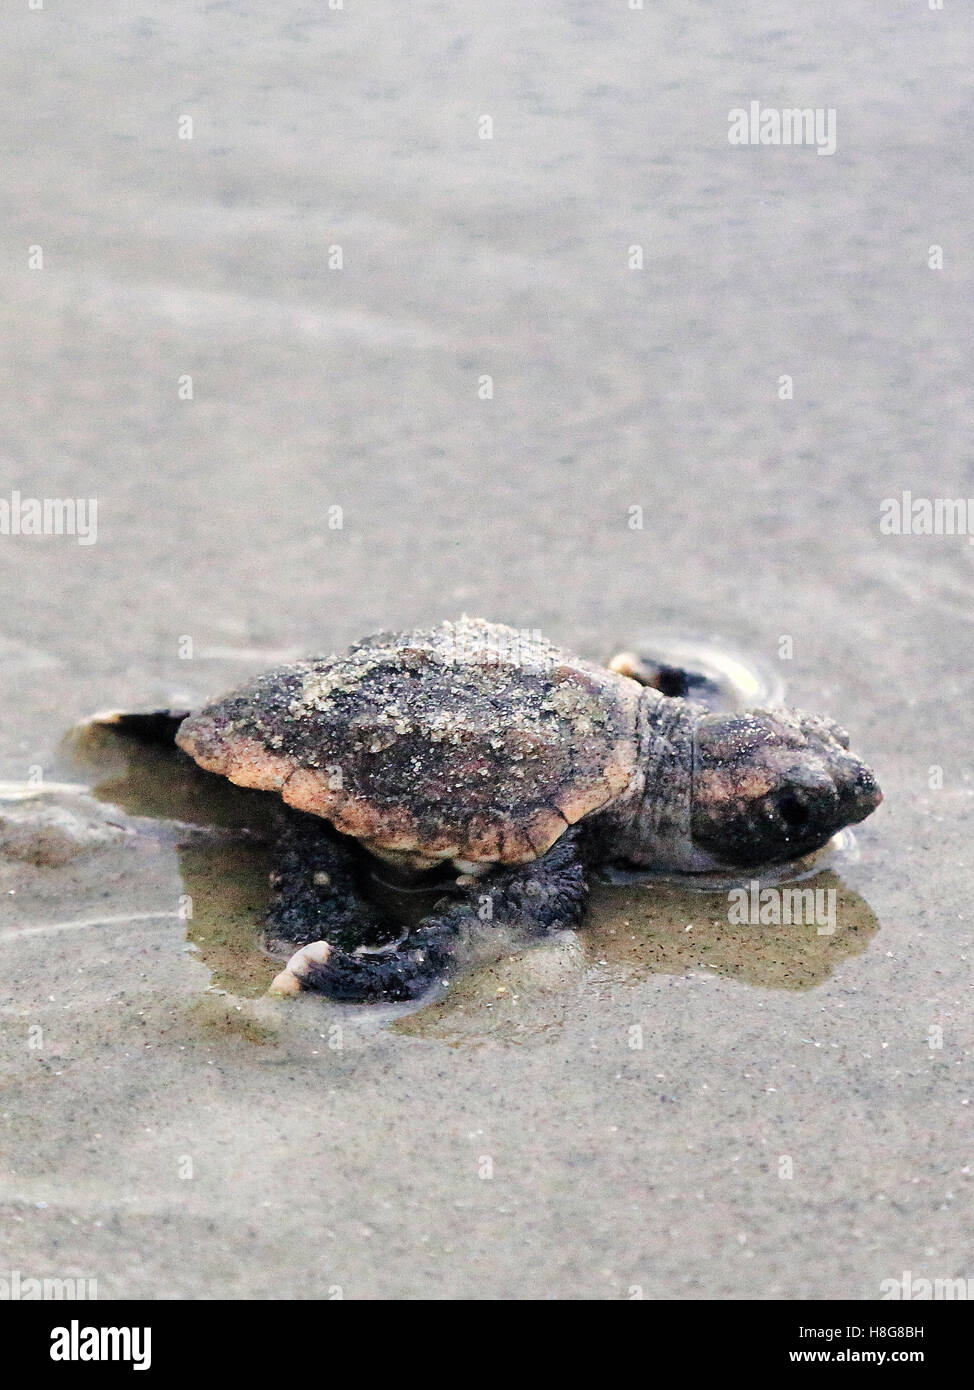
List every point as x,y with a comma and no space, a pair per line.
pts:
169,1131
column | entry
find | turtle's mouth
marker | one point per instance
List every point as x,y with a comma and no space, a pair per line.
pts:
788,852
701,870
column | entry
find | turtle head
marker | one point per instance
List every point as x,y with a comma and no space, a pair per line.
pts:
770,786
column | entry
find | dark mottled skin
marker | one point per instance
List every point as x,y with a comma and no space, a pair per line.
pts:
514,903
474,743
769,786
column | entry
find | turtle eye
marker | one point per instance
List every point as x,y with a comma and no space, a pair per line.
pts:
793,812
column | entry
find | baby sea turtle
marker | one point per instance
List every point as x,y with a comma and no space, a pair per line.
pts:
484,750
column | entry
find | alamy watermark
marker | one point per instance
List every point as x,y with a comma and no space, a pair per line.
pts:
907,515
474,644
77,1343
16,1287
776,907
913,1290
50,516
790,125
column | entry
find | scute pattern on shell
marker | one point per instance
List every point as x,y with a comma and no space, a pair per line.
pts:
471,740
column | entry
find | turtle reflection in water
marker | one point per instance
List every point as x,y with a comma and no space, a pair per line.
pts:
473,749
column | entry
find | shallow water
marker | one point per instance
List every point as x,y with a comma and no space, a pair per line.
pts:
638,1085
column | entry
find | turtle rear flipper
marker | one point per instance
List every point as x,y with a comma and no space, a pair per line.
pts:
702,671
677,682
157,726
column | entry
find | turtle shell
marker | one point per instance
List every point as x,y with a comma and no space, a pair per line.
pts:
472,741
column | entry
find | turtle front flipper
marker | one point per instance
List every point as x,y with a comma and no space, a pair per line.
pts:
148,726
536,899
318,888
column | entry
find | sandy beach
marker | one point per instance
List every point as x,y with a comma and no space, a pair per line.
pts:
332,354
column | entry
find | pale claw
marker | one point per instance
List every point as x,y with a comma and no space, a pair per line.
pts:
288,982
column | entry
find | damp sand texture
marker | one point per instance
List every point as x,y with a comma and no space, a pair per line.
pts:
602,373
